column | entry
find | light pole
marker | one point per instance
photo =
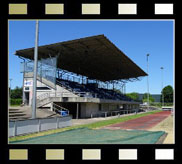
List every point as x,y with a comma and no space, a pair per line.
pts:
10,91
34,105
162,85
147,83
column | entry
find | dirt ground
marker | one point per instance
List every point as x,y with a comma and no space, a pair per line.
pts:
167,126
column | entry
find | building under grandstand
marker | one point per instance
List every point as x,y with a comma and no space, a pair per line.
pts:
80,75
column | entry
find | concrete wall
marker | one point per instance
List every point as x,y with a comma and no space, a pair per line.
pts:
83,110
28,83
63,90
88,108
40,92
22,127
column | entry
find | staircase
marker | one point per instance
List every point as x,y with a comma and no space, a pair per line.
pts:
15,114
25,112
43,102
47,98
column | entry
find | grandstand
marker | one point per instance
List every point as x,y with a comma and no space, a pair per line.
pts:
80,76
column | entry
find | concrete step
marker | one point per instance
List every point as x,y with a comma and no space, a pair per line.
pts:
17,111
25,113
15,118
12,110
17,114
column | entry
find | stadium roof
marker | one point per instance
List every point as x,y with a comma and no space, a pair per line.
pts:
95,57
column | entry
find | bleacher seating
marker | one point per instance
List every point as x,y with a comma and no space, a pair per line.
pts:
92,91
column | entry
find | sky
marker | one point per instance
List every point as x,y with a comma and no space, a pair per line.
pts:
135,38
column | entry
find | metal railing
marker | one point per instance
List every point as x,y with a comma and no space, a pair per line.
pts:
64,94
59,109
72,77
113,113
43,98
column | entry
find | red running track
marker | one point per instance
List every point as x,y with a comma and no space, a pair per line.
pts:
142,123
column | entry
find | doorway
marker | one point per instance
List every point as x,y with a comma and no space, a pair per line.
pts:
26,98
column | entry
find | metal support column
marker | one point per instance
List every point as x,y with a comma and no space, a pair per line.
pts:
23,97
77,110
35,72
52,106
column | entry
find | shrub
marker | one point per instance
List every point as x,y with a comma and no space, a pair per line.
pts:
16,101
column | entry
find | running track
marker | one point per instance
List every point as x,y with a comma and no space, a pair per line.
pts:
142,123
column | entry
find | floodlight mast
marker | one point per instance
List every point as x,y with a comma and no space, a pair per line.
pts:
34,105
162,85
147,83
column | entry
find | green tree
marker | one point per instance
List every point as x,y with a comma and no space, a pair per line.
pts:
167,92
145,98
16,93
133,95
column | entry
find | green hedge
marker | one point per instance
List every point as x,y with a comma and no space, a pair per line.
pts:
16,101
160,104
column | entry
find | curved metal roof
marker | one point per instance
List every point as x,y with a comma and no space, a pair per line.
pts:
95,57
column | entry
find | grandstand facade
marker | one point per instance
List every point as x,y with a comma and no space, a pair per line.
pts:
80,76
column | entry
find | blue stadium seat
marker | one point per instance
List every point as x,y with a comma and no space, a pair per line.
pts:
92,91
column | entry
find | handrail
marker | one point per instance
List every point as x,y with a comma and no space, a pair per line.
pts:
43,96
58,94
56,108
110,112
60,107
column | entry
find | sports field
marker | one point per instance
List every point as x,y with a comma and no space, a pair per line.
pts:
134,131
98,136
142,123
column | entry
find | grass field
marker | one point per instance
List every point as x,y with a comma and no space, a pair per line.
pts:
95,125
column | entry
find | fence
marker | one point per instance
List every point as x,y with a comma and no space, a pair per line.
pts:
113,113
21,127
